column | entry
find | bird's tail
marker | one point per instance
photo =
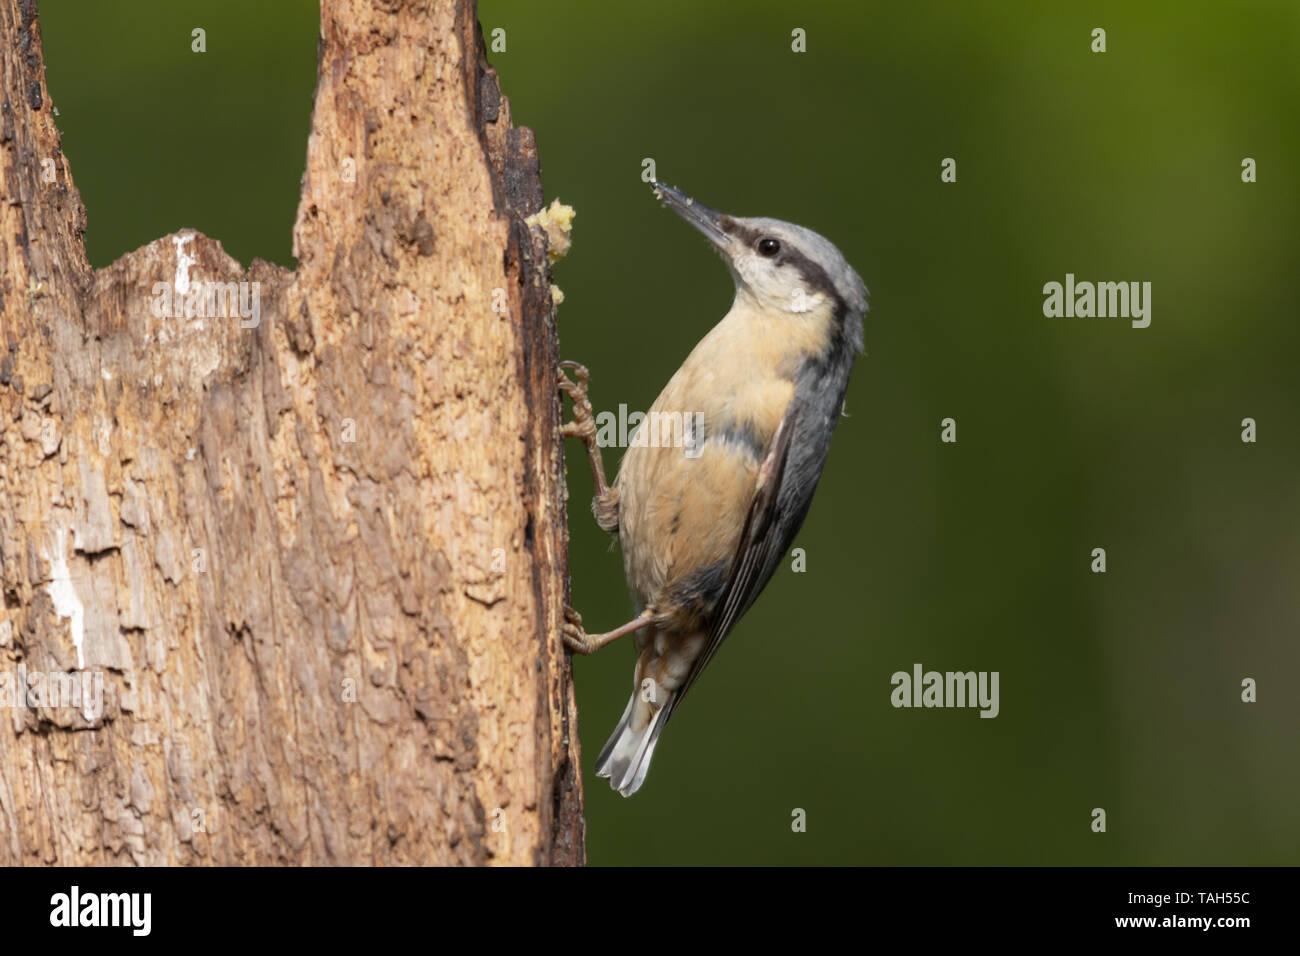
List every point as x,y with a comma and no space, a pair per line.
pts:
625,758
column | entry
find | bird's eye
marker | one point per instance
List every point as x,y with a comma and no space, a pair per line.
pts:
767,246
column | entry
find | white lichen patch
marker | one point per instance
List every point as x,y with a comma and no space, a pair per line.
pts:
64,596
181,282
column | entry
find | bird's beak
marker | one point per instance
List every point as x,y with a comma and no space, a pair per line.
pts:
706,220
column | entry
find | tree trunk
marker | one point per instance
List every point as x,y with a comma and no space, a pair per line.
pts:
311,556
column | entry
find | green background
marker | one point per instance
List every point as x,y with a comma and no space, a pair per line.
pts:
1118,690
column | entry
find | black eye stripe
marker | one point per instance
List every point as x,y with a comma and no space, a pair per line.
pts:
814,276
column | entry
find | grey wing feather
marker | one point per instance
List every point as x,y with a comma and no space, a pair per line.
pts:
780,504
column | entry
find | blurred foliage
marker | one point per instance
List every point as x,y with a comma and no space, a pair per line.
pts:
1118,690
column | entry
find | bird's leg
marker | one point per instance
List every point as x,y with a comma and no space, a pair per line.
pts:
580,642
583,427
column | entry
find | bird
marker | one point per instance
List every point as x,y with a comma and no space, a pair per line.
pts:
704,518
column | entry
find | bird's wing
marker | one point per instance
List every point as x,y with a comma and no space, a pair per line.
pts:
768,529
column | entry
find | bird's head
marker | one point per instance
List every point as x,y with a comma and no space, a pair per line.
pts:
778,266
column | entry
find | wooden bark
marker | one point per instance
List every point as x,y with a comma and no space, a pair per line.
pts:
319,563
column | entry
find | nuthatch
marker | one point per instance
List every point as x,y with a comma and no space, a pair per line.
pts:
703,525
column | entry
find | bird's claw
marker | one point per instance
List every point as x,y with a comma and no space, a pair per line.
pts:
571,632
584,421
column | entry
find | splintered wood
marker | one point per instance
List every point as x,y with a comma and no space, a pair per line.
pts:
296,537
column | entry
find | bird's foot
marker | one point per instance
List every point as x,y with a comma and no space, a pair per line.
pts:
583,425
580,642
575,638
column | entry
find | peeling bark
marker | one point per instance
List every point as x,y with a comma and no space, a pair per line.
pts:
317,559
